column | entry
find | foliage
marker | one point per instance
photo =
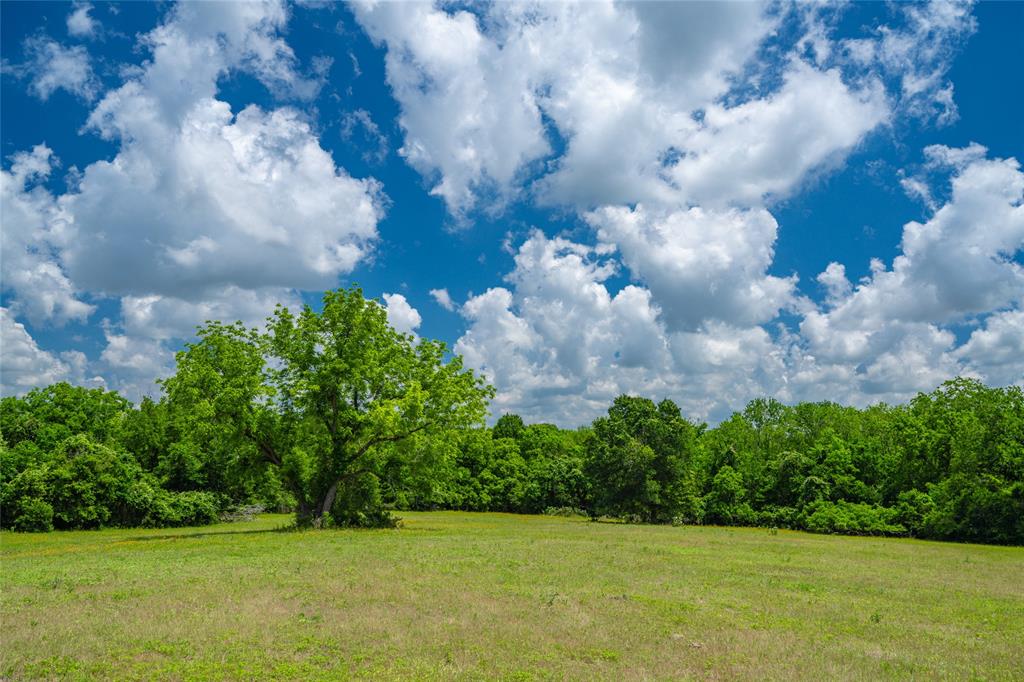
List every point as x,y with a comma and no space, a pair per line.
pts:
638,462
329,398
851,518
336,416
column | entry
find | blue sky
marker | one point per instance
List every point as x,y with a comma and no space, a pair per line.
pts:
707,202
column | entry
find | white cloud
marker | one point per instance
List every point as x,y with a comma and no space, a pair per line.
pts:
957,264
199,198
443,298
735,155
835,282
80,24
163,318
50,66
618,82
132,365
996,351
402,316
768,146
202,213
891,331
372,141
918,54
24,365
250,200
34,230
559,345
700,264
632,90
466,116
140,346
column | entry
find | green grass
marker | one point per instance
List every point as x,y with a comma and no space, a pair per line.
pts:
453,595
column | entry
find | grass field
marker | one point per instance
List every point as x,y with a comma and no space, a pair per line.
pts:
454,595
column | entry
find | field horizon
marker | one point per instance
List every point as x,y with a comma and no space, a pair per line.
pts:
503,596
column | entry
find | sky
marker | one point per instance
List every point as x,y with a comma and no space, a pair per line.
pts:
708,202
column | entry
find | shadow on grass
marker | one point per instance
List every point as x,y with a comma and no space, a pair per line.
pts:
201,534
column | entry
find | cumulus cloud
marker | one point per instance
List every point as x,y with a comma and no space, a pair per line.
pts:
198,197
559,343
651,123
402,316
34,232
203,212
634,93
958,263
249,200
465,115
50,66
619,111
892,328
132,365
443,298
996,351
767,146
80,24
700,264
480,92
24,365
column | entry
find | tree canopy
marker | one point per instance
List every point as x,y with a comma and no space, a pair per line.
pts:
335,416
328,397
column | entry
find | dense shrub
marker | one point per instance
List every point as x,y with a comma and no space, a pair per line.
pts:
981,508
778,517
87,485
949,465
360,505
912,509
31,514
851,518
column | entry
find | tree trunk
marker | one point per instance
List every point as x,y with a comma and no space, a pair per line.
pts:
328,501
306,513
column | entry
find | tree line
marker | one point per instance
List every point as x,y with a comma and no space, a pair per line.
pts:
335,416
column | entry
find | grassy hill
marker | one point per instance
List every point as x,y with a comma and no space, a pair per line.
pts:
459,595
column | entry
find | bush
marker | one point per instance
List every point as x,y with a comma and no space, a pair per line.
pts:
23,501
32,515
983,508
359,505
87,485
778,517
564,511
912,508
724,504
194,508
851,518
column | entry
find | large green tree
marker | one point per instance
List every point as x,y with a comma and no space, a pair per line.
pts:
639,460
328,397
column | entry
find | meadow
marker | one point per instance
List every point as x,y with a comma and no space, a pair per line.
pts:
454,595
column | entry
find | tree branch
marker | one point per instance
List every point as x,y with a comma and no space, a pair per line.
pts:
268,451
388,439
